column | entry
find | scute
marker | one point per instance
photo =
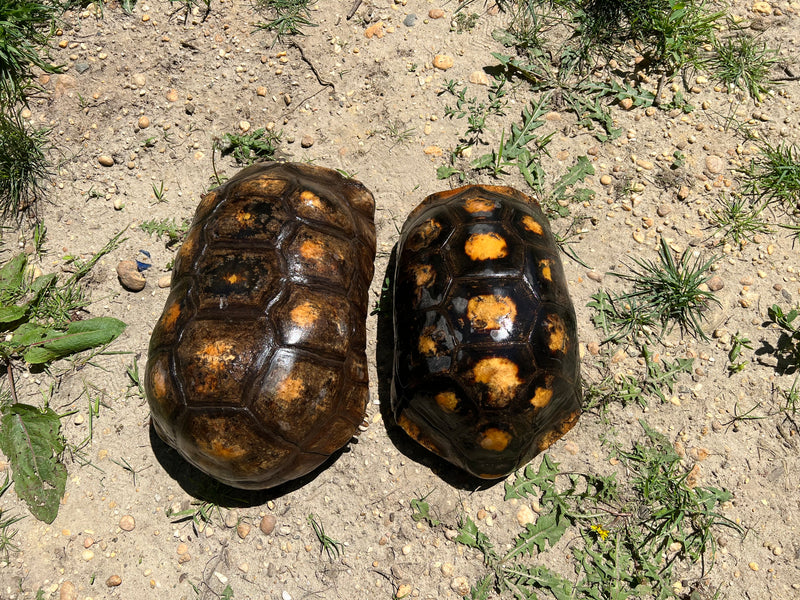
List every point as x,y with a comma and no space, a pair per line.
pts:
486,369
256,371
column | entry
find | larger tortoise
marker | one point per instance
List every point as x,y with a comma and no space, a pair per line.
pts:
257,369
486,368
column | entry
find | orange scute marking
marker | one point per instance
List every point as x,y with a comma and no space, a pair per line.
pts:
474,205
312,250
216,354
541,397
222,449
558,334
309,198
544,268
500,377
427,345
447,401
423,275
244,217
491,312
171,316
486,246
532,225
304,315
233,278
159,383
494,439
290,389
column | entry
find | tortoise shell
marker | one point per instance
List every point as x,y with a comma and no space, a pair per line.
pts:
257,369
486,370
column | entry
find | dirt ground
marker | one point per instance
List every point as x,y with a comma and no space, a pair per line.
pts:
341,100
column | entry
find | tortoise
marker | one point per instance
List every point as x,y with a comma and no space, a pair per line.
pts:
486,371
257,369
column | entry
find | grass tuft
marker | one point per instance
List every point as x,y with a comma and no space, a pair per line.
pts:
24,167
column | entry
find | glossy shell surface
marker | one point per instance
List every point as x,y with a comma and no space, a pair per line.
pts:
486,369
257,370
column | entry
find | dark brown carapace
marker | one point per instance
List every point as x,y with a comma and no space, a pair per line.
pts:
257,370
486,367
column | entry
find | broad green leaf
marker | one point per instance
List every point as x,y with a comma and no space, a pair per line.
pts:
79,336
9,314
28,334
30,438
577,173
13,272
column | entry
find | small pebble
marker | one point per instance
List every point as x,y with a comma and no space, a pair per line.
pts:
87,555
663,210
106,160
267,525
133,281
403,591
443,61
460,585
88,542
714,164
448,569
593,348
715,283
144,122
436,13
594,276
375,30
606,179
243,530
410,20
478,78
626,103
753,566
127,522
67,591
406,549
683,192
138,80
118,203
165,281
172,95
645,164
307,141
114,581
244,126
525,515
261,91
638,236
182,549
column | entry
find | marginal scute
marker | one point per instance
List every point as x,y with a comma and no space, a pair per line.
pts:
532,225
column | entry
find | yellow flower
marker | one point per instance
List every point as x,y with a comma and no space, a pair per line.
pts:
602,533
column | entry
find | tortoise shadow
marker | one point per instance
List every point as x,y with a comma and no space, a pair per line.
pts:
384,359
203,487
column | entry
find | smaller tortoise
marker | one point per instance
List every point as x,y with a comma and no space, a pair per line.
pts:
486,368
257,369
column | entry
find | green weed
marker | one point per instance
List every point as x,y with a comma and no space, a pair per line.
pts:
738,218
248,148
24,167
26,27
627,536
7,534
744,63
422,511
774,175
199,514
788,345
290,16
656,380
671,292
158,192
166,228
331,547
739,342
187,7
